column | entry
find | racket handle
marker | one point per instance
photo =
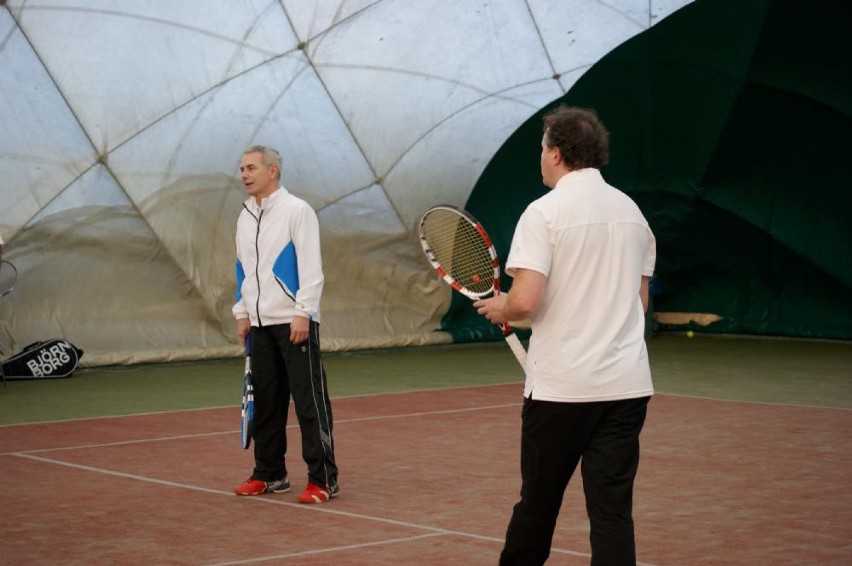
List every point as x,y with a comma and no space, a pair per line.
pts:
517,349
248,344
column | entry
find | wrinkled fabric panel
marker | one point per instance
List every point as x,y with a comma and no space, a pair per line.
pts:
123,125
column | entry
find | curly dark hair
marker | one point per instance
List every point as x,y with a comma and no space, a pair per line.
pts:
580,136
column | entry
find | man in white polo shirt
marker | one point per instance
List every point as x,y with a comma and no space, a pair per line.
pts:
581,259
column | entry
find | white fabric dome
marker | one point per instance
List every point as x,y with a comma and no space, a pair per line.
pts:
123,124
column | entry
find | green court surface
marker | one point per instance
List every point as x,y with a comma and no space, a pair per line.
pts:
799,372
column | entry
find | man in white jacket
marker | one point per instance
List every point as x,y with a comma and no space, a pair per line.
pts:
279,286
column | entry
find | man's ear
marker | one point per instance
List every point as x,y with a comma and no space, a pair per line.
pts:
557,156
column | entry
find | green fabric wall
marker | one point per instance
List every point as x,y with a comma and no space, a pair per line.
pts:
730,127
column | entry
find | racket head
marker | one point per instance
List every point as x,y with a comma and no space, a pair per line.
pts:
460,250
247,412
247,408
8,277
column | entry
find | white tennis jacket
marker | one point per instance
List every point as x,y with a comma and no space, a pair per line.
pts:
279,263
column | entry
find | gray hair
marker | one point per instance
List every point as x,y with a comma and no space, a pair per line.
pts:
268,156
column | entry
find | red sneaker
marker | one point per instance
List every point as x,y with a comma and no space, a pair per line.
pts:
259,487
316,494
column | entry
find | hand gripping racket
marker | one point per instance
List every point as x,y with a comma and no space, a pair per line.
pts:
459,249
8,277
247,410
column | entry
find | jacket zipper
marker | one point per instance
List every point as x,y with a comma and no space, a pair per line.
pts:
257,267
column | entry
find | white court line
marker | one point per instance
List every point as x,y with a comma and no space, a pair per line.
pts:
326,550
387,393
235,431
433,531
751,402
236,406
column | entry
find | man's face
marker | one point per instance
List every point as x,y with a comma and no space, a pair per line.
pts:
259,180
550,159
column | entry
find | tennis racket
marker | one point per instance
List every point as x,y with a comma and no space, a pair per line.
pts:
8,277
459,249
247,410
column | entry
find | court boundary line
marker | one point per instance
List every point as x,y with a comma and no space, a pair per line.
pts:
367,395
751,402
236,430
325,550
434,531
237,405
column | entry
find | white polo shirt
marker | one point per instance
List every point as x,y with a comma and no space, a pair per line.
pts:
588,334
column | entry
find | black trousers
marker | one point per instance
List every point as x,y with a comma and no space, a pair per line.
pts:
280,370
555,437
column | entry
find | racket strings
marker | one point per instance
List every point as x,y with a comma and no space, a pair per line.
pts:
459,249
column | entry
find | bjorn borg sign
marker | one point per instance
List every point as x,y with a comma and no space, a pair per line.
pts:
40,360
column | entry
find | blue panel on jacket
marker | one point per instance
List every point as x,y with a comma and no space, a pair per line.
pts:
286,270
241,275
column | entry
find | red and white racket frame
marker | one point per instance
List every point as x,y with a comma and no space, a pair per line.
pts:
511,338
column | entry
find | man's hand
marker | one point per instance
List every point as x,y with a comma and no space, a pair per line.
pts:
243,326
298,330
492,308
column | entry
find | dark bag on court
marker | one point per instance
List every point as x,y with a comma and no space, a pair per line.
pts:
43,360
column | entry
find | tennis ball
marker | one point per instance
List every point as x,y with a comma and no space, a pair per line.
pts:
690,333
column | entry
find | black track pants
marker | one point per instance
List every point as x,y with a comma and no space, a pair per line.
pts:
281,370
555,437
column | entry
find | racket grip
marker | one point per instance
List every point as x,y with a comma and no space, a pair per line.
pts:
248,344
517,349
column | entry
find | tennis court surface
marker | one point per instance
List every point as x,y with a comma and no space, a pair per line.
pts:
429,476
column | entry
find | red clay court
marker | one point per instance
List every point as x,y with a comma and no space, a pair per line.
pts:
427,477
